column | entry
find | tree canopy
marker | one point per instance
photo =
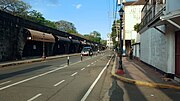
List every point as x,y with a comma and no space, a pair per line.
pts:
15,7
94,36
66,26
22,9
114,32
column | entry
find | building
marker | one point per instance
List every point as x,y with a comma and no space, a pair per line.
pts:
160,36
132,16
109,42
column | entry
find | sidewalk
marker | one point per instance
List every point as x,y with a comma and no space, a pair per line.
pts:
139,73
24,61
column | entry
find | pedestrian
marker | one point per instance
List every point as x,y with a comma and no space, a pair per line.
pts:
131,53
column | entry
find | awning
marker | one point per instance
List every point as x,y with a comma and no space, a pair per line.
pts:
63,39
40,36
76,41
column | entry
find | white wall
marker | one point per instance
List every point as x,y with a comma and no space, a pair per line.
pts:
172,5
154,48
132,17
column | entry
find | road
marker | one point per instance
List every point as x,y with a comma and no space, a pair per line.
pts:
53,80
87,80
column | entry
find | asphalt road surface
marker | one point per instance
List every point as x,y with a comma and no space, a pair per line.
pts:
54,80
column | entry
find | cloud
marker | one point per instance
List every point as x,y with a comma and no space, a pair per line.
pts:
53,5
78,6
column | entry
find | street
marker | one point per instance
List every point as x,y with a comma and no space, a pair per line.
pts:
51,80
86,80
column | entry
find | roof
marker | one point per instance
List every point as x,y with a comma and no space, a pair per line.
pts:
139,2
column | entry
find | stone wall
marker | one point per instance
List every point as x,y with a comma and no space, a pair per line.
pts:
12,40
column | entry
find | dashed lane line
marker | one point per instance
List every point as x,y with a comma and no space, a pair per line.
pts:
74,74
33,98
82,69
59,83
31,78
5,83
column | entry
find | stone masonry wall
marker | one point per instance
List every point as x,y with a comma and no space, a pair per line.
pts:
11,40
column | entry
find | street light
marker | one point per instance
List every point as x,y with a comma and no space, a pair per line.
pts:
44,57
120,69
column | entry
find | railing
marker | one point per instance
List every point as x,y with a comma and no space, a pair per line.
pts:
152,13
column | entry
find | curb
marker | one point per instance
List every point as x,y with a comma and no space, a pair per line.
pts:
34,60
142,83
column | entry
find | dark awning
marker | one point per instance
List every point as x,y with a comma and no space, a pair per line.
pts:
40,36
63,39
76,41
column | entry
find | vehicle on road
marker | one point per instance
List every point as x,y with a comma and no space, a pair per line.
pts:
87,51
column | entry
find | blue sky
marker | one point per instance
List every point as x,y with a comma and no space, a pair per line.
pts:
86,15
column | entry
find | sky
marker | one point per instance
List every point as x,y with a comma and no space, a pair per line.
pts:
86,15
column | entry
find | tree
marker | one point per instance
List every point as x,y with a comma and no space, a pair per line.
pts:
35,14
94,36
15,7
104,42
66,26
115,32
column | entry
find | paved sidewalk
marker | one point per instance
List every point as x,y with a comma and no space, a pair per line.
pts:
138,73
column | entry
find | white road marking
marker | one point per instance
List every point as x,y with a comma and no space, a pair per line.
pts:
33,98
59,83
74,74
94,83
4,83
82,69
31,78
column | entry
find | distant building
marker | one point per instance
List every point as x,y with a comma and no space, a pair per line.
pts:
109,42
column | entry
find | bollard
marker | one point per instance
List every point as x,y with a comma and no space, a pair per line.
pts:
81,57
68,60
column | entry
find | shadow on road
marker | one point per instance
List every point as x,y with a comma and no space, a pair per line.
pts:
8,75
116,92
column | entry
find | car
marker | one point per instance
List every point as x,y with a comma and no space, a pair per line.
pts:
87,51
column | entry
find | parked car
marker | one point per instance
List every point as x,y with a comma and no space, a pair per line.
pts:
87,51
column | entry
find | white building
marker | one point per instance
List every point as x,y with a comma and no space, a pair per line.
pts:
132,16
109,42
160,36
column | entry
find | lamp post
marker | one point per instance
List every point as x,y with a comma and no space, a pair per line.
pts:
121,11
43,56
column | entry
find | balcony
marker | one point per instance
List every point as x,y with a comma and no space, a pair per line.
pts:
150,15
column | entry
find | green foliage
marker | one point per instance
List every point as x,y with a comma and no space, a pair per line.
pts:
20,8
114,32
66,26
136,27
16,7
94,36
103,42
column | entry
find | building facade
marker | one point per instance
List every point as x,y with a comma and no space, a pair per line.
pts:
132,16
160,36
109,42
